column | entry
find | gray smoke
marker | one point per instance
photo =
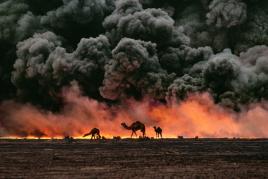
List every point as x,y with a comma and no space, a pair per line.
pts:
181,60
227,13
130,20
117,49
77,11
16,21
41,59
32,56
182,87
193,22
255,31
132,60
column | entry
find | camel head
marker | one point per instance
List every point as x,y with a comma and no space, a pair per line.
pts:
155,127
123,124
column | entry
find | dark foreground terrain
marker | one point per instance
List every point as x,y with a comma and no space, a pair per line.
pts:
167,158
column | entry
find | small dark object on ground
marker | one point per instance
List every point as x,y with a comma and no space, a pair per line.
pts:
144,138
68,139
196,137
117,137
180,137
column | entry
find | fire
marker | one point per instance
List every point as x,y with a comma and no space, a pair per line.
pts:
197,116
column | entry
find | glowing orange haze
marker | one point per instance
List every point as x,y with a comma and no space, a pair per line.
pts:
197,116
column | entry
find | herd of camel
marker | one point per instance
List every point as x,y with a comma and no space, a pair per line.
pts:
134,127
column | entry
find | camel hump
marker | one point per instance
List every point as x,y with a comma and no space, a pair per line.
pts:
95,129
139,122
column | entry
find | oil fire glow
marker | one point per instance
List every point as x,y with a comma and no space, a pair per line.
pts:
197,116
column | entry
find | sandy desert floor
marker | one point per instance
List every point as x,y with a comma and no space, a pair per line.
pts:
167,158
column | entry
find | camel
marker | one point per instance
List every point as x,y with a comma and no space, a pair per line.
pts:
158,132
95,134
135,126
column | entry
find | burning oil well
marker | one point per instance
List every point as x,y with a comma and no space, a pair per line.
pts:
195,68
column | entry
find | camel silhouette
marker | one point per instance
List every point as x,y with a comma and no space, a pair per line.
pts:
95,133
135,126
158,132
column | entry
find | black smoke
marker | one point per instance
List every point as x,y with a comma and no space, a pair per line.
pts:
118,49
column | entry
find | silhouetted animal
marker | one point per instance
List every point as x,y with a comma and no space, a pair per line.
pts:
135,126
158,132
95,133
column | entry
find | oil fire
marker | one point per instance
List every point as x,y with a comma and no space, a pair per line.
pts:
197,116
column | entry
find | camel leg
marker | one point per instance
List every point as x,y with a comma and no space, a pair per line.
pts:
132,134
135,133
161,135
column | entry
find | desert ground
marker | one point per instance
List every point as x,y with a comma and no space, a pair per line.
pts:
125,158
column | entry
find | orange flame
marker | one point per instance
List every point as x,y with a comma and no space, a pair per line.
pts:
197,116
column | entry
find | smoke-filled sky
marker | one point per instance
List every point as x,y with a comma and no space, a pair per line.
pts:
163,51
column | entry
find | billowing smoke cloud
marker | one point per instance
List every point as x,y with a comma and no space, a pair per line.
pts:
255,31
220,71
182,87
130,20
116,50
134,65
254,79
78,18
43,63
82,12
192,19
17,21
227,13
180,60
